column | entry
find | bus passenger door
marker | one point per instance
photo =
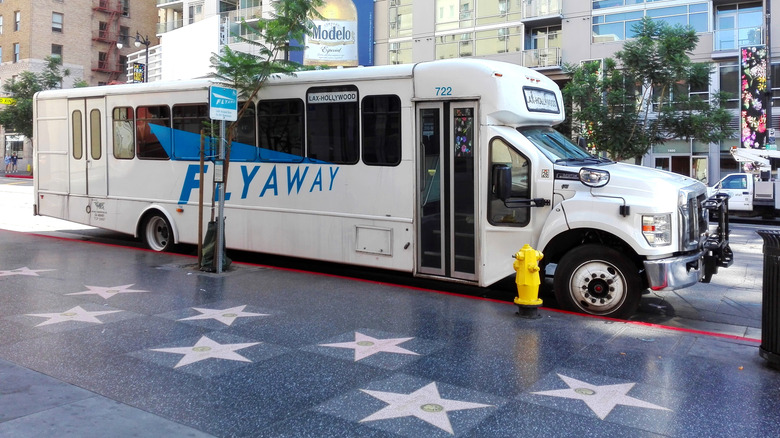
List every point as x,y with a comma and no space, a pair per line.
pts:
77,141
88,170
97,176
446,216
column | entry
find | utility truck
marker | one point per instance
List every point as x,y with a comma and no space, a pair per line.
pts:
755,191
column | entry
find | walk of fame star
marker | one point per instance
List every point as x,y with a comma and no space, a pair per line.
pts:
600,399
365,346
74,314
204,349
107,292
225,316
23,271
424,403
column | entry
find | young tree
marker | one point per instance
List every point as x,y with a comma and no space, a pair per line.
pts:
18,116
625,109
248,73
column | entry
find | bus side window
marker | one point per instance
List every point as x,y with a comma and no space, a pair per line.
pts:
149,146
122,125
498,212
187,123
332,124
95,141
244,146
77,135
280,129
381,130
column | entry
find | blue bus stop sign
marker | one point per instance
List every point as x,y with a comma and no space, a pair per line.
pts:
223,103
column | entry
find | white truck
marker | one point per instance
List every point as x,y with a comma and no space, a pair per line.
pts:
755,191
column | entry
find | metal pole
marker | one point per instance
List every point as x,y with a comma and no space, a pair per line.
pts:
220,244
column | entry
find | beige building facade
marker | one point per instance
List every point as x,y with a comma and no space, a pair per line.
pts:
83,33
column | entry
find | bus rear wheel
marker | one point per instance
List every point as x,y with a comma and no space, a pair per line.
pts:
597,280
156,233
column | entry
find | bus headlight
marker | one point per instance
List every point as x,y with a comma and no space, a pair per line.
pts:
594,177
657,229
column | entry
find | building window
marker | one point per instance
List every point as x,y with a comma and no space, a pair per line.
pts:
103,30
400,52
730,83
125,8
476,13
16,52
56,51
57,20
102,60
124,36
123,64
1,54
738,25
1,24
620,26
400,19
17,20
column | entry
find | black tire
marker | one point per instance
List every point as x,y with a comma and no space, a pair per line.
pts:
597,280
156,233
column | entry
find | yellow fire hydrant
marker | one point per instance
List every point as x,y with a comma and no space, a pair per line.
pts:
527,266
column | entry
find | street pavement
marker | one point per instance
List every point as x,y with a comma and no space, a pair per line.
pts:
105,340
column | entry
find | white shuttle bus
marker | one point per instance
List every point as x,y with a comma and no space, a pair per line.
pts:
441,169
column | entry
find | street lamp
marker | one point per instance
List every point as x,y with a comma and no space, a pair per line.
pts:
138,42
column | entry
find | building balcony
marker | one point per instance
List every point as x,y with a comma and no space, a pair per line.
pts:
168,2
730,40
542,58
543,11
107,6
248,14
107,67
169,26
105,36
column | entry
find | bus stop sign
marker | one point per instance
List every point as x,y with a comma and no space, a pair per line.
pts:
223,103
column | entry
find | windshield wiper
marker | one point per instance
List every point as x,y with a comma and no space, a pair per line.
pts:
595,160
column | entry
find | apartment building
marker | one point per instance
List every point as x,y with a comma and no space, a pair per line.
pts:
83,33
546,34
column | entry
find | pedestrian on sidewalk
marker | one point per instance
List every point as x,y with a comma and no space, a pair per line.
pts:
14,158
7,164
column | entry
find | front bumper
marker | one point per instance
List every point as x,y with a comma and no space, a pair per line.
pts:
675,272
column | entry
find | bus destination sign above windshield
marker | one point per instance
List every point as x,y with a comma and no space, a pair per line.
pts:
539,100
223,103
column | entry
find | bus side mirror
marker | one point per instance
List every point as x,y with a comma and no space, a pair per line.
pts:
502,181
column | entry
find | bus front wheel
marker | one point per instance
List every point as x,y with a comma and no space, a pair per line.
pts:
157,234
597,280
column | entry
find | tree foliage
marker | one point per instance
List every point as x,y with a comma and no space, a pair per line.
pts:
270,40
18,117
625,106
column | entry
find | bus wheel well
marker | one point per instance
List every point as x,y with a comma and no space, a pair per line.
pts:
156,230
564,242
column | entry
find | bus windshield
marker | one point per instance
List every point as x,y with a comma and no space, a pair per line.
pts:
557,147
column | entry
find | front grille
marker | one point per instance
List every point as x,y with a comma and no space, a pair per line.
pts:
693,219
